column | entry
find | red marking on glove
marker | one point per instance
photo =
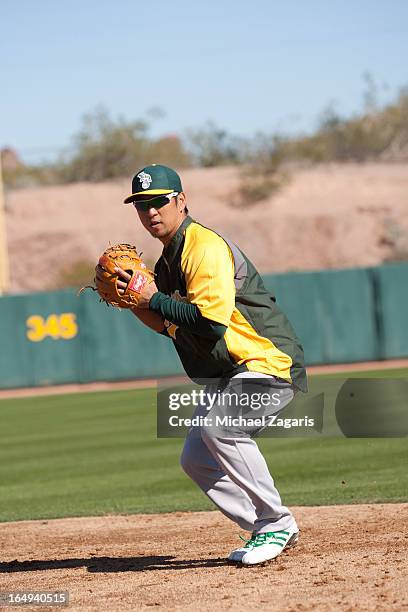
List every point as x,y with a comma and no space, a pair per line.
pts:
103,261
138,282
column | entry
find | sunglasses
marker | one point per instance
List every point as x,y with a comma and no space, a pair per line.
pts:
158,202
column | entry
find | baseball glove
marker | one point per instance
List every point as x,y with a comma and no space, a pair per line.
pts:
126,257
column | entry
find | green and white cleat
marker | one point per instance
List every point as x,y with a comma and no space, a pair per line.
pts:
269,545
238,553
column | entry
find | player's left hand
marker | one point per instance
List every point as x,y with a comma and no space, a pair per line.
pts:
147,293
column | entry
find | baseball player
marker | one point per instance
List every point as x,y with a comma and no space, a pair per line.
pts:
209,299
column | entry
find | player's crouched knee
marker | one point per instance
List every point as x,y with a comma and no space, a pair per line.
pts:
212,438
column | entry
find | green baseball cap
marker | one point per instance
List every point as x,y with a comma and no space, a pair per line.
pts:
154,180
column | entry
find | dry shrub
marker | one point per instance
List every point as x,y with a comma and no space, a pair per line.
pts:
77,274
259,185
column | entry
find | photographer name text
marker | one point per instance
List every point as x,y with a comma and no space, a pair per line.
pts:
240,421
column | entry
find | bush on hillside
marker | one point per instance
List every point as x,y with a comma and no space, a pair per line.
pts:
105,149
213,146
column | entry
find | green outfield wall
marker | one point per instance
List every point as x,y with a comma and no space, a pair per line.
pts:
340,316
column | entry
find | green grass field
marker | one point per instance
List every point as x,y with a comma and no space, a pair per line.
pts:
97,453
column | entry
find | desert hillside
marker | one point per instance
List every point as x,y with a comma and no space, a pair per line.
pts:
329,216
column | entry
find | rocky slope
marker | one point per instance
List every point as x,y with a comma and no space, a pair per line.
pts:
331,216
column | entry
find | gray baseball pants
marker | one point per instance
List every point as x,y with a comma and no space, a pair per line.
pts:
233,473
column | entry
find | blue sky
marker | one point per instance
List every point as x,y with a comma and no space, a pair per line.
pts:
248,66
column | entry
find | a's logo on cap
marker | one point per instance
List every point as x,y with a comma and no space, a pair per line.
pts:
145,179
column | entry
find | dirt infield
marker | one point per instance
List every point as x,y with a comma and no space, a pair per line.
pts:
348,558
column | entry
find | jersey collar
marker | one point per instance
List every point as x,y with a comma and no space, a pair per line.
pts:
171,249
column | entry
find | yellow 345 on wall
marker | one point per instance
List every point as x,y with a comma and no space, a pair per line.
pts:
58,327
